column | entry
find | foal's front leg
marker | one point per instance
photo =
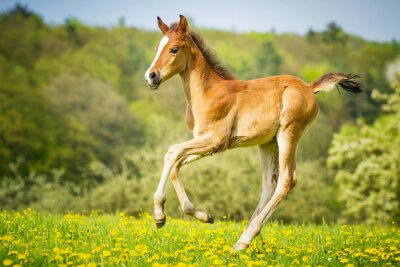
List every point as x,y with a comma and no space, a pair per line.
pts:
187,206
201,145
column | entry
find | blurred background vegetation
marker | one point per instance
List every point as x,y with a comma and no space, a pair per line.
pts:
80,131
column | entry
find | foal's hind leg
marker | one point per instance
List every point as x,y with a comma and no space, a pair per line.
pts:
187,206
269,170
287,144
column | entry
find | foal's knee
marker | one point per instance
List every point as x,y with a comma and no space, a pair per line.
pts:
173,153
283,191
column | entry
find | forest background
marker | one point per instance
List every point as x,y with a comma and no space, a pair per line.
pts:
80,131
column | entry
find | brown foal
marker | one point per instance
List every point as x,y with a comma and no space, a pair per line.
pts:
224,113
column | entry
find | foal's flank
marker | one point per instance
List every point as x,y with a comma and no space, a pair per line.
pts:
223,113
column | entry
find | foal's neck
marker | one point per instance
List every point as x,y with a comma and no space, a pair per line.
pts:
198,77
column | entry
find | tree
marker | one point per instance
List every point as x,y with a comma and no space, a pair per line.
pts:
93,109
334,34
310,35
21,32
268,60
26,122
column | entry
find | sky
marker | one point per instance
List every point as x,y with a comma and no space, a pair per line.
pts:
370,19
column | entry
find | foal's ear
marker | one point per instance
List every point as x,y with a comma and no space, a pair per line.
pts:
183,26
163,27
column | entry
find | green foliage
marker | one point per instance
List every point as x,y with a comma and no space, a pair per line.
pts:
268,61
21,33
333,34
94,107
366,160
86,133
47,193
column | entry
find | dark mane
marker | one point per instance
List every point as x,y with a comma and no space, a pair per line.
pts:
208,54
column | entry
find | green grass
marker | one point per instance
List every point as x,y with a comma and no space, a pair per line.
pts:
33,239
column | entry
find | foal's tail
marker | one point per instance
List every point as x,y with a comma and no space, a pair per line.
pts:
348,82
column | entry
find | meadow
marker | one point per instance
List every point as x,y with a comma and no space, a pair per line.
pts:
29,238
81,132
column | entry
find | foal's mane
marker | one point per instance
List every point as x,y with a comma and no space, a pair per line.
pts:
208,54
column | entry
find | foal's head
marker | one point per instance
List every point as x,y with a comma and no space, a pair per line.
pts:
171,57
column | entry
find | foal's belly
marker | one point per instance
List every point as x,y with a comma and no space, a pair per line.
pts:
257,118
254,130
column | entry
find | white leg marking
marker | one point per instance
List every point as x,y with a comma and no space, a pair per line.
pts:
269,168
197,146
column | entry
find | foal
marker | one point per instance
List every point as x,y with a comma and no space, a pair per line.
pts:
225,113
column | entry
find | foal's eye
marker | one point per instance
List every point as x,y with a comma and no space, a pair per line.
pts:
174,50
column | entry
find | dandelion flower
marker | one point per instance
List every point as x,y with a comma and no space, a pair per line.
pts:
106,253
7,262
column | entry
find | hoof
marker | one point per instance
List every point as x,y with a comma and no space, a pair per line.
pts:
210,218
204,217
240,246
160,223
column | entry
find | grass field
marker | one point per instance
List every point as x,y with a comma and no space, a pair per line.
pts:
32,239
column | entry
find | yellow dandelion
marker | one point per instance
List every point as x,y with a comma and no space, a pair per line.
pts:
7,262
244,257
226,248
12,252
106,253
22,257
85,256
218,261
372,251
259,263
208,253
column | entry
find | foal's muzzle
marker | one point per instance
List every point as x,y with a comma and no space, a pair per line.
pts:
154,80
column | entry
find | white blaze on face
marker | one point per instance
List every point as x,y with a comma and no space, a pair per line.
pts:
161,46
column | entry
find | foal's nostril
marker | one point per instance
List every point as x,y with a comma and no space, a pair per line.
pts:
152,75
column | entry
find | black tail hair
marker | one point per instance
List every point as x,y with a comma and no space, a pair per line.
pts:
348,81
